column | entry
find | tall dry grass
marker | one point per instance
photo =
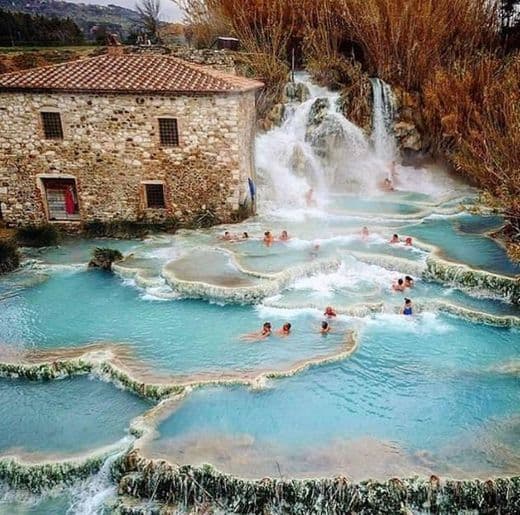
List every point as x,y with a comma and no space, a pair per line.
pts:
264,28
403,41
473,111
204,21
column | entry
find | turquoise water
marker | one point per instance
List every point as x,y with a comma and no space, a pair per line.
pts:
431,394
45,506
459,242
183,336
63,417
430,386
374,206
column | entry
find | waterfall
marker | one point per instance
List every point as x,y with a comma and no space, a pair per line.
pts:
382,119
315,147
89,496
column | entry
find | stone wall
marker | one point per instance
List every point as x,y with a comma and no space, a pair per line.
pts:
111,145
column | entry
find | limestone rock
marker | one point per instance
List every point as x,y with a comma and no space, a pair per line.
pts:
276,115
326,136
408,136
318,111
103,258
296,92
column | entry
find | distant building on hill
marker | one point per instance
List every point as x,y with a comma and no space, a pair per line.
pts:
139,137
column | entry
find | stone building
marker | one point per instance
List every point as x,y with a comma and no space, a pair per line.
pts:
136,137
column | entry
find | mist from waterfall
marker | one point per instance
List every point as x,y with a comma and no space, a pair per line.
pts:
317,147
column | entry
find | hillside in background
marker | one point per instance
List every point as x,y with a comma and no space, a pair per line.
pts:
116,19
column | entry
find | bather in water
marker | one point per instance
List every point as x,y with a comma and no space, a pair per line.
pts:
407,309
284,236
285,330
264,333
325,328
399,285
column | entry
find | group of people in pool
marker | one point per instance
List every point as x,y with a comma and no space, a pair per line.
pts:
408,241
402,283
285,330
408,282
399,286
268,238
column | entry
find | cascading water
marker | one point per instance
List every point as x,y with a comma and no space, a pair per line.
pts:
317,147
382,119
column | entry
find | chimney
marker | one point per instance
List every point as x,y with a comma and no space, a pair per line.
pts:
114,46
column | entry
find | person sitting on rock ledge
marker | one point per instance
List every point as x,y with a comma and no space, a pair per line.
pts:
387,185
226,236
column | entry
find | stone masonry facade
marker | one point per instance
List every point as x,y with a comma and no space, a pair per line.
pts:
111,148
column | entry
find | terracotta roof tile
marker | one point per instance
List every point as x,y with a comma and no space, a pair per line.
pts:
127,73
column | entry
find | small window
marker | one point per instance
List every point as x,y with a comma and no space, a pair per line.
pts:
155,196
169,132
52,128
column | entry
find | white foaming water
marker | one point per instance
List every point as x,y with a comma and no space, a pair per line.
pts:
90,496
315,147
349,276
425,323
382,120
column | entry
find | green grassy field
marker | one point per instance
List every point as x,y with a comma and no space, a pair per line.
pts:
25,49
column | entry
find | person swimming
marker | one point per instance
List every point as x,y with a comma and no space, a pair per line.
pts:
364,233
407,308
245,236
399,285
284,236
330,312
266,330
325,327
226,236
394,239
408,241
409,282
264,333
315,251
285,330
268,238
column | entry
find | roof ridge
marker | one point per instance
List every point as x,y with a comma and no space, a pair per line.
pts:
52,65
127,73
